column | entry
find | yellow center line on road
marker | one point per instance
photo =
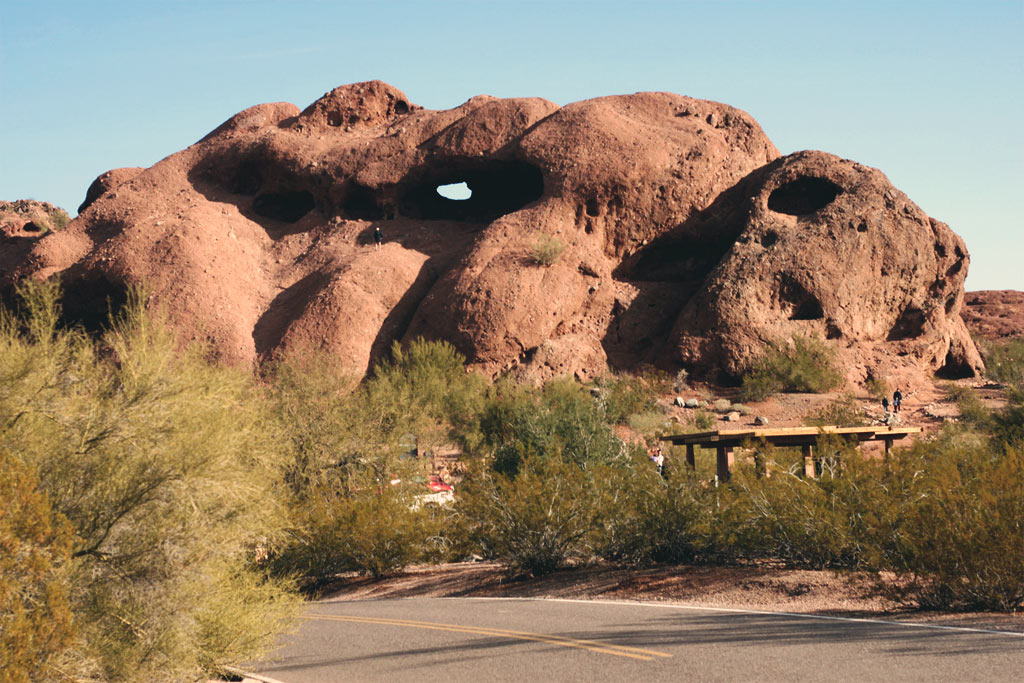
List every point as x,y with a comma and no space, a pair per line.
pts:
593,646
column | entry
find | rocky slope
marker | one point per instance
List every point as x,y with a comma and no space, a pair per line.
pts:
685,239
995,314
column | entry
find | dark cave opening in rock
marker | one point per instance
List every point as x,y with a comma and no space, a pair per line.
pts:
361,204
287,206
91,301
496,188
797,301
804,195
31,227
954,368
910,324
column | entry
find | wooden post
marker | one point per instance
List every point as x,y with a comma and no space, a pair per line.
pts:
808,453
888,445
725,460
690,459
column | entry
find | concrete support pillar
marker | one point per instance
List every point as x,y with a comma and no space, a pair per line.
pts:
725,460
809,469
690,459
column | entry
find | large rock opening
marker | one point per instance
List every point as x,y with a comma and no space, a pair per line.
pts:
803,196
496,188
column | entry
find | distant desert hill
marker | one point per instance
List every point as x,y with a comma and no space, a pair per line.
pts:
995,314
642,229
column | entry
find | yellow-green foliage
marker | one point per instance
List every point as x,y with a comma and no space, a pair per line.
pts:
347,445
537,520
802,364
546,250
1004,362
161,465
36,629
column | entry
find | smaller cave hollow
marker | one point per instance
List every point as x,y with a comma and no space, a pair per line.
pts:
287,206
90,302
804,195
797,302
909,325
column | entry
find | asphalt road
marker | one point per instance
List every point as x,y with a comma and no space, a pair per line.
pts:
467,639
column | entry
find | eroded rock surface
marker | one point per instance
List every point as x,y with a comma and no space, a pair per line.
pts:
995,314
685,239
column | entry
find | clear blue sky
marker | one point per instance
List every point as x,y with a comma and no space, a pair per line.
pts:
931,93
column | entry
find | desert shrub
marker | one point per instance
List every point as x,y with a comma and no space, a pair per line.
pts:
546,250
36,628
625,396
960,538
162,466
804,364
1004,362
647,519
650,424
877,388
536,521
703,421
59,219
373,531
722,405
841,412
517,422
813,523
680,382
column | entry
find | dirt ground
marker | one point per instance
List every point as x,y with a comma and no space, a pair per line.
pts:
758,588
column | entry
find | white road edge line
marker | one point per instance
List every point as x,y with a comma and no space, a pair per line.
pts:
735,610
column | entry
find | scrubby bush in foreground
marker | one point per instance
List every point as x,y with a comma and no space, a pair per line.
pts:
161,465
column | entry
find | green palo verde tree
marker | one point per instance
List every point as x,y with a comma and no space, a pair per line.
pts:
161,466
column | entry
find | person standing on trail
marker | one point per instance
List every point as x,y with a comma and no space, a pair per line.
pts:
897,400
378,237
885,404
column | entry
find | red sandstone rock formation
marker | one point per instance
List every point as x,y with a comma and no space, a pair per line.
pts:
685,239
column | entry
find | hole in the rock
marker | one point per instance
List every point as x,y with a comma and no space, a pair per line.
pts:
954,269
247,180
832,331
959,252
360,204
769,238
458,192
593,208
940,250
334,119
31,227
289,206
801,304
90,302
950,303
862,226
401,107
909,325
589,228
497,188
954,368
804,195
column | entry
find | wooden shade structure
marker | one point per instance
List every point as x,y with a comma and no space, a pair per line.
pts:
724,441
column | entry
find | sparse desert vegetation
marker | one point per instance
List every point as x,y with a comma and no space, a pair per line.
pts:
174,508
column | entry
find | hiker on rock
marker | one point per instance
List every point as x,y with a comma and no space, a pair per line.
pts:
378,237
897,400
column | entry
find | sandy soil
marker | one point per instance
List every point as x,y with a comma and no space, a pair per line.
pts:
759,588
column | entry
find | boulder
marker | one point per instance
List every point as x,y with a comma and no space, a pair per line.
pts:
674,233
